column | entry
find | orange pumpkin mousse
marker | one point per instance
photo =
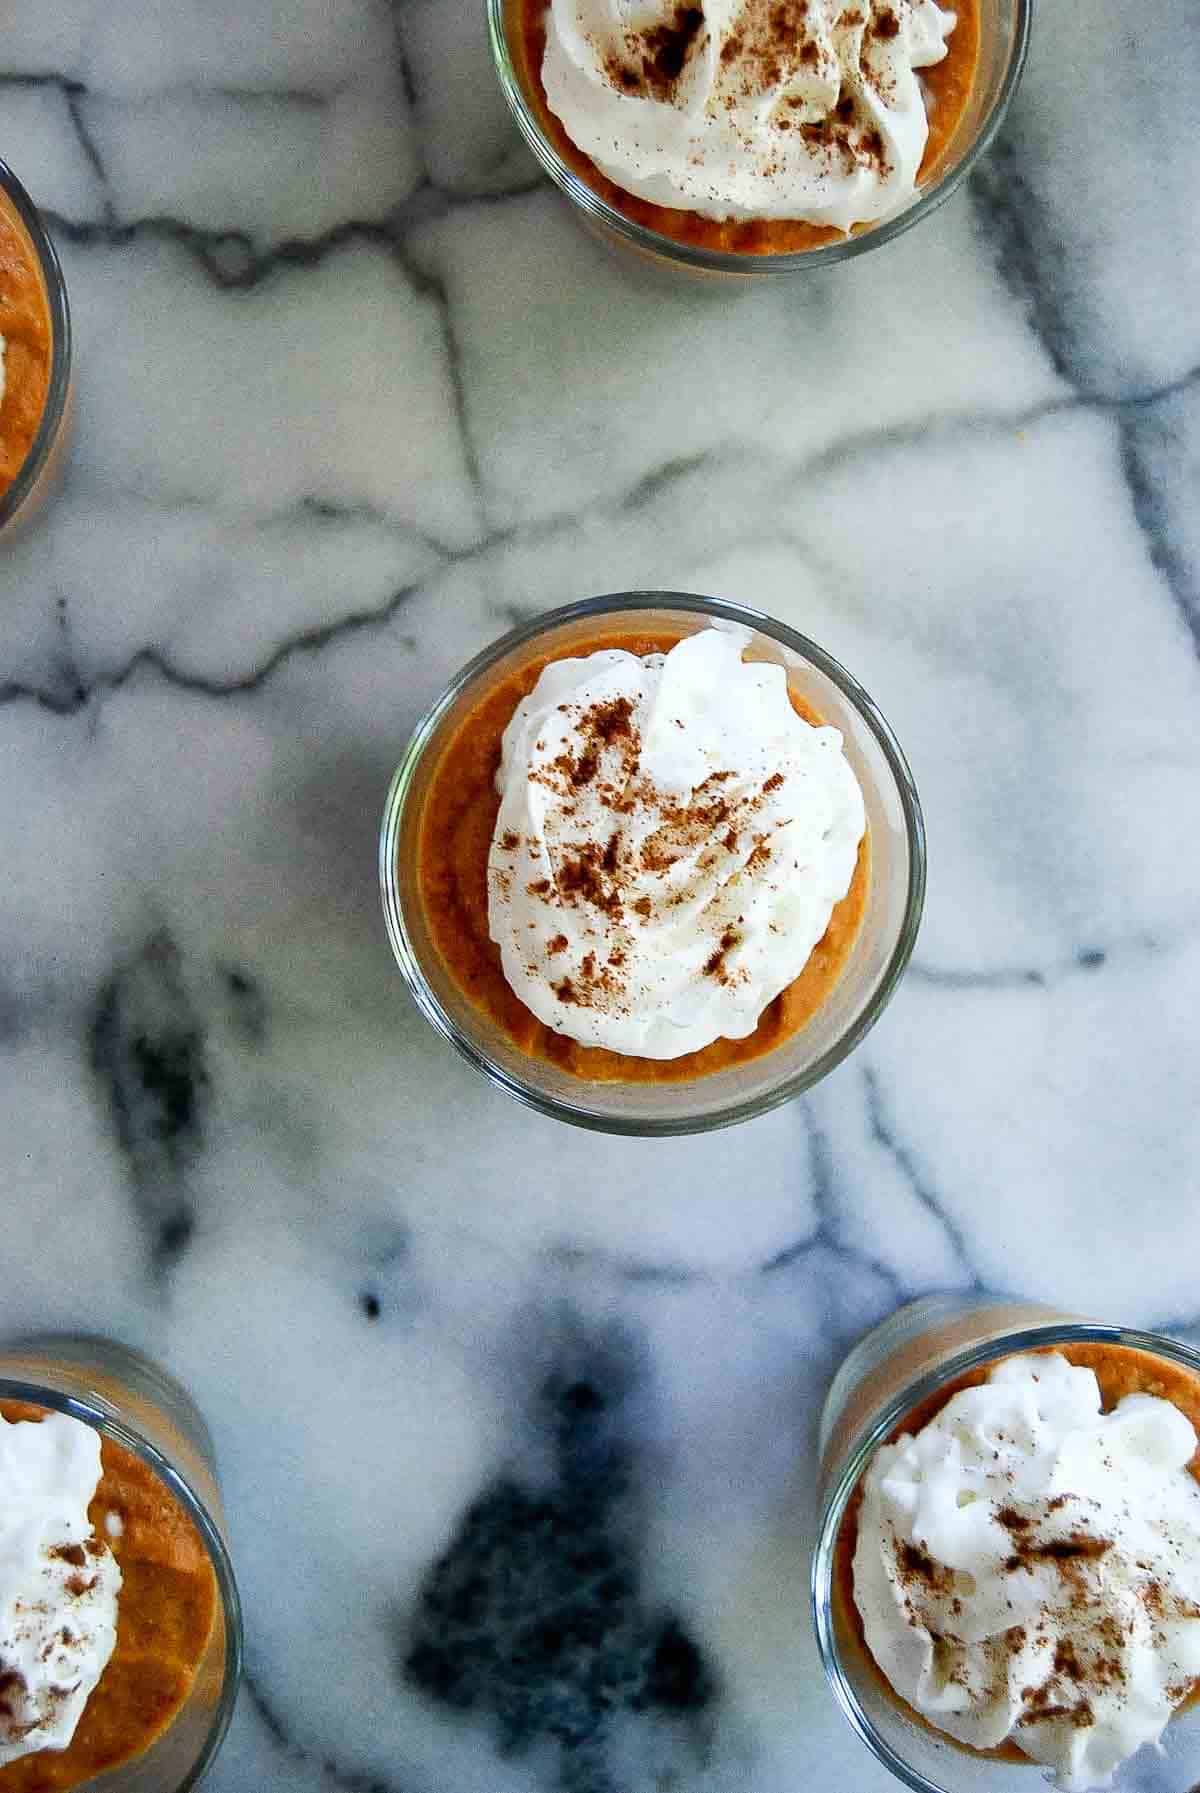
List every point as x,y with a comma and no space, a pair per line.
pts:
166,1609
777,130
541,825
27,344
1094,1569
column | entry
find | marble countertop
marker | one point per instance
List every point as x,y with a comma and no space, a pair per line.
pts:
516,1423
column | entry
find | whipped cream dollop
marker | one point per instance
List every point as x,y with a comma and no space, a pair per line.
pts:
671,841
802,109
58,1583
1028,1568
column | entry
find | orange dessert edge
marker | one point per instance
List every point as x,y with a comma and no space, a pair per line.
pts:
948,85
166,1612
25,327
455,828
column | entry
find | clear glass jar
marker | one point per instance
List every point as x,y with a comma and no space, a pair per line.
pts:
880,952
38,477
926,1346
1004,40
130,1400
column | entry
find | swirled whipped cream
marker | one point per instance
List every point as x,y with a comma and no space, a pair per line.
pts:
1028,1568
58,1583
671,841
802,109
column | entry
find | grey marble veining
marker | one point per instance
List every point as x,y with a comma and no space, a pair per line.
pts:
516,1425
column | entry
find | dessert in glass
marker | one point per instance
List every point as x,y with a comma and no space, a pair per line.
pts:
654,863
120,1628
35,357
1007,1571
746,137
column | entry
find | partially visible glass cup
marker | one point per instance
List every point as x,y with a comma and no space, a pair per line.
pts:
129,1399
880,951
40,473
892,1373
1004,41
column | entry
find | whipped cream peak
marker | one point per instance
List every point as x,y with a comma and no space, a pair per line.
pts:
58,1583
1027,1568
671,841
798,109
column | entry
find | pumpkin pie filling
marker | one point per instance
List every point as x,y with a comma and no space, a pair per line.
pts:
167,1609
655,62
457,836
1064,1539
28,344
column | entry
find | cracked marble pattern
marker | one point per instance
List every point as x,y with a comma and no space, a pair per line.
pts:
516,1425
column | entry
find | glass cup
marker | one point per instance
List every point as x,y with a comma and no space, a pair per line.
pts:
894,1370
877,958
1004,39
39,474
131,1401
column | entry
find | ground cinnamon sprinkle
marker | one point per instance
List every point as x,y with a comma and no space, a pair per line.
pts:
582,879
770,41
605,759
664,48
599,877
715,965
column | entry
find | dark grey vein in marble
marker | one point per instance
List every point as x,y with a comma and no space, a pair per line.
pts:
69,695
148,1054
534,1616
231,258
1160,455
590,1261
247,1006
1021,977
87,143
286,1744
1084,960
1088,195
54,697
825,1236
1006,213
884,1132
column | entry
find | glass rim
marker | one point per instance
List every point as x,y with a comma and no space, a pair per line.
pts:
834,1502
560,1108
724,261
55,284
109,1426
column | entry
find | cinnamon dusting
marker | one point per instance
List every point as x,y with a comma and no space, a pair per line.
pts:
664,49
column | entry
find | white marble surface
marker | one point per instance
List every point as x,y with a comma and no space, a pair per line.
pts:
353,394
